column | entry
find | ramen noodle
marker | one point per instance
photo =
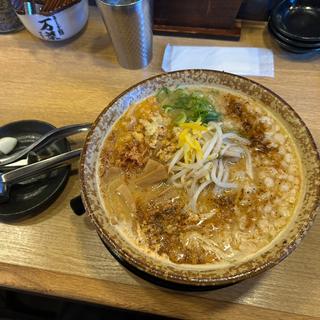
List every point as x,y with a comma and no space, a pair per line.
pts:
199,175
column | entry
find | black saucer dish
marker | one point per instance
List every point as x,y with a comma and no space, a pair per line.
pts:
295,43
289,47
34,195
298,20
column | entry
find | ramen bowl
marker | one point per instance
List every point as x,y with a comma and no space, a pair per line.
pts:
201,275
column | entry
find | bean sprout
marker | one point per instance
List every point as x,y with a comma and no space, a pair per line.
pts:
219,151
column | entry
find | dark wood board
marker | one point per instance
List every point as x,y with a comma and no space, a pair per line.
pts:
196,32
205,18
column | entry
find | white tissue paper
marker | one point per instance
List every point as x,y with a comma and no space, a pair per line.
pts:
241,61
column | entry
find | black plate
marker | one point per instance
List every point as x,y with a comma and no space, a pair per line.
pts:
291,48
296,43
35,195
298,20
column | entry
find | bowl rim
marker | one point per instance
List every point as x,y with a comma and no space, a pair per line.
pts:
181,279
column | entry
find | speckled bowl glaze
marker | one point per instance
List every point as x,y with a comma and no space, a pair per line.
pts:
282,246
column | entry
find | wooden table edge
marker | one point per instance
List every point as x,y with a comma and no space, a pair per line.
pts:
124,296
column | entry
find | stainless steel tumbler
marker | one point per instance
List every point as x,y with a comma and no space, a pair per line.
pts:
129,23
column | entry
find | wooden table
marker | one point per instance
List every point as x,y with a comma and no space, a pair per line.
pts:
58,253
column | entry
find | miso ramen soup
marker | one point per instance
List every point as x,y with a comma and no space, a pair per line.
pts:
198,175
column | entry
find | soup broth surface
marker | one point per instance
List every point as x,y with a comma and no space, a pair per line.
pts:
199,175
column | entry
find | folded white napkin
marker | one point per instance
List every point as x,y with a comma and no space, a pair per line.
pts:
241,61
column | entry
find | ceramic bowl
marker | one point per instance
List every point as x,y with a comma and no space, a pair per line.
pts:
60,25
284,244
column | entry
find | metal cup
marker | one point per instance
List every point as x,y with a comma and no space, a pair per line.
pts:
129,23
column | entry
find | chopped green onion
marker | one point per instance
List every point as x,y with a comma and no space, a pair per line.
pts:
162,94
190,106
167,108
181,118
211,116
